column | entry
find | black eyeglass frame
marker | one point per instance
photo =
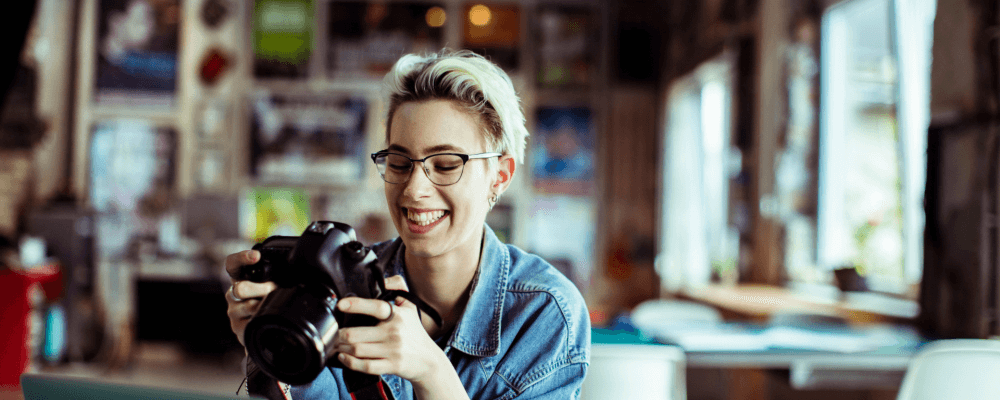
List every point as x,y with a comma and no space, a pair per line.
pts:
465,159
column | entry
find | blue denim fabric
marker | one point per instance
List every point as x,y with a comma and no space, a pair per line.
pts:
525,332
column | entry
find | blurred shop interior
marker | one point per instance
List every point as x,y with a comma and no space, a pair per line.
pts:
815,176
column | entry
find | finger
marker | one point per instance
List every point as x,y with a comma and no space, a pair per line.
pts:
360,334
238,328
369,351
252,290
243,310
355,305
396,283
425,320
368,366
236,260
240,314
402,302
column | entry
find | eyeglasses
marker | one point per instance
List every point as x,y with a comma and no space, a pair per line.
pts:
441,169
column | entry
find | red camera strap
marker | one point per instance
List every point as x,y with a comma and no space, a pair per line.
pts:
366,387
374,392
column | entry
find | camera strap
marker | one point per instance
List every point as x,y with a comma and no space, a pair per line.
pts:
366,387
360,385
260,384
363,386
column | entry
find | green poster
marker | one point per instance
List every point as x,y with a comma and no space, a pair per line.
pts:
282,35
278,211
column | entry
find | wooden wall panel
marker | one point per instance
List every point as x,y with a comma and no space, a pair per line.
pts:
628,196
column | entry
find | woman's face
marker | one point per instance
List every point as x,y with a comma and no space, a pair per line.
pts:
433,220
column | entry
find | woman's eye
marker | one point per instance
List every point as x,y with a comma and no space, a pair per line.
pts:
399,167
445,168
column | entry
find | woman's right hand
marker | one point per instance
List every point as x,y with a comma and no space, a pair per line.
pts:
244,297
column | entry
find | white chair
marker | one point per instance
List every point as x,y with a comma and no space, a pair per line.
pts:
652,314
635,371
967,369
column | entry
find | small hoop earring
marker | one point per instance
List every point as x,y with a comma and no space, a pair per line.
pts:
493,200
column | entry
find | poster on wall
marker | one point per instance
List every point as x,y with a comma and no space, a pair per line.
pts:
137,45
132,180
562,231
566,37
282,38
563,151
312,139
270,211
366,38
132,164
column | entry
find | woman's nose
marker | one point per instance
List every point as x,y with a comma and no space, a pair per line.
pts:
419,183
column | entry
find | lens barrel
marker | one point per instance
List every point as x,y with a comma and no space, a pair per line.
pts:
291,336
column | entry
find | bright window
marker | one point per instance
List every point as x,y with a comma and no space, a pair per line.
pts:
875,75
694,231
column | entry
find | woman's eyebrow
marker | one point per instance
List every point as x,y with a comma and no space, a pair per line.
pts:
442,148
398,148
430,150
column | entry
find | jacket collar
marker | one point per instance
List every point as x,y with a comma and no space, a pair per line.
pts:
478,331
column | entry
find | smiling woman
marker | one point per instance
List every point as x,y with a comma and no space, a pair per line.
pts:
420,128
512,324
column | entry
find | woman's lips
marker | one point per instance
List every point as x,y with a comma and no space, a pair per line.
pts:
420,221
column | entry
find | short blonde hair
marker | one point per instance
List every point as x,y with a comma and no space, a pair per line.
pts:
473,82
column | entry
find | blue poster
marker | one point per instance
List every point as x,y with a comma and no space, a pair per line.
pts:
137,46
563,161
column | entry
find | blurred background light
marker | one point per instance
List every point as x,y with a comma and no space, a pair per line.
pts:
436,17
480,15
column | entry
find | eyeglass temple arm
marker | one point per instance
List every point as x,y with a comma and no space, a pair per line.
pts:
484,155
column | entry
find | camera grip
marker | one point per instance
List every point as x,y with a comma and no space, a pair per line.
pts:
273,250
259,273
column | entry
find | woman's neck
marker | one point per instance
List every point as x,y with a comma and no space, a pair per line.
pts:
443,281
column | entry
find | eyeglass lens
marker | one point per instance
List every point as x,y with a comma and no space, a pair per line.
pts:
441,169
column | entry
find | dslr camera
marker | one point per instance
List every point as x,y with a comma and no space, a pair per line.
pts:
291,336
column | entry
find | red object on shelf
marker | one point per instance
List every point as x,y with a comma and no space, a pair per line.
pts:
15,300
213,66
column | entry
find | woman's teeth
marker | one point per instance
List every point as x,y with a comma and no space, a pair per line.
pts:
424,218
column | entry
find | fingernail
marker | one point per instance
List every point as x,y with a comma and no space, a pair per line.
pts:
341,356
343,305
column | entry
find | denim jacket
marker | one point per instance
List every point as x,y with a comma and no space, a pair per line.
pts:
524,334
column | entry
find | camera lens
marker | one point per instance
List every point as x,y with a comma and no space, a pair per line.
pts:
284,350
291,336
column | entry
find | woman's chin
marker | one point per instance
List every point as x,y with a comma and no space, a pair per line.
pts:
423,246
420,251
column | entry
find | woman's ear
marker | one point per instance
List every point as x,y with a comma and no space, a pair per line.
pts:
505,173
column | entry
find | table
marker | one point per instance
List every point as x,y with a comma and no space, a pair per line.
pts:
816,370
879,369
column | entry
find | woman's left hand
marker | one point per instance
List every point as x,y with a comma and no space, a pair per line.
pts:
398,345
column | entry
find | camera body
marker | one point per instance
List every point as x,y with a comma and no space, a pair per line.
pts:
291,335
